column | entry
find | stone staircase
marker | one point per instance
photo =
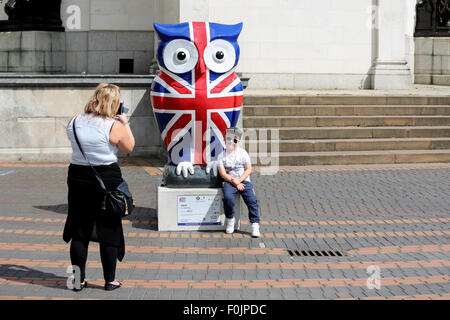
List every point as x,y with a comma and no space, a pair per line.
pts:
341,129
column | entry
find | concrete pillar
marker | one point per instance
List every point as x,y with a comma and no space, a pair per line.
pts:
390,69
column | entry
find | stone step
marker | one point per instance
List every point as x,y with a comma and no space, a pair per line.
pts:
353,157
343,110
289,133
325,121
304,145
345,100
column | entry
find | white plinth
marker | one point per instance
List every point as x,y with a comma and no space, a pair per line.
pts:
391,75
168,207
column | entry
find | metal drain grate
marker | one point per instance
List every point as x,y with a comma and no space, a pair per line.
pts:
315,253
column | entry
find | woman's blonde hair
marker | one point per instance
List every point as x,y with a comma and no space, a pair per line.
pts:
105,101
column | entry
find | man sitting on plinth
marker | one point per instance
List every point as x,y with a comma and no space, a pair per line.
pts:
234,167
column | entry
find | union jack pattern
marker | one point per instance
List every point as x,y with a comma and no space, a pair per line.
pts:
194,109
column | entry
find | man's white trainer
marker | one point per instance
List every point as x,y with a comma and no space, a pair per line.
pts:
229,223
255,230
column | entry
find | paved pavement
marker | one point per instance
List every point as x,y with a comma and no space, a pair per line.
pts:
322,228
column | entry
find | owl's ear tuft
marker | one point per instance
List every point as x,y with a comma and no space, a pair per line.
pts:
238,28
235,29
225,31
159,29
169,31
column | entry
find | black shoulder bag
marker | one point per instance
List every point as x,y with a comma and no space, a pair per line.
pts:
119,201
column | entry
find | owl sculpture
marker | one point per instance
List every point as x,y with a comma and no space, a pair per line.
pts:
196,95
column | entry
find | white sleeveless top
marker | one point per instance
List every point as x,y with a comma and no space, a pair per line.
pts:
93,134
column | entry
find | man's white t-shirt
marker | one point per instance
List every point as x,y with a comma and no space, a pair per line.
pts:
234,163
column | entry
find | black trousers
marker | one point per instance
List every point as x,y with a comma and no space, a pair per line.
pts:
108,256
87,222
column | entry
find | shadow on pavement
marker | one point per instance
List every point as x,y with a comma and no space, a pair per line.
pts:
32,276
141,214
27,275
58,208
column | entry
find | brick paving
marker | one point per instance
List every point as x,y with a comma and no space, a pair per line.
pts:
396,217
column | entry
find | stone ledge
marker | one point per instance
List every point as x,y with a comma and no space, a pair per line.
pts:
37,80
76,80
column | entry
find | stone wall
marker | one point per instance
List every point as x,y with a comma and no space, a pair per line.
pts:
111,15
35,114
99,52
98,34
285,44
32,52
432,61
90,52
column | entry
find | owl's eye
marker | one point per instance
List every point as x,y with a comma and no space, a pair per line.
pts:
180,56
220,56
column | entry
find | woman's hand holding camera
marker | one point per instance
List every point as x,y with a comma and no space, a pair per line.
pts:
122,118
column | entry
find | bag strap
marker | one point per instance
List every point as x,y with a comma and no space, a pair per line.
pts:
97,176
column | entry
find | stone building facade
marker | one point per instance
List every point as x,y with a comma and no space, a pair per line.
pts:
45,78
287,44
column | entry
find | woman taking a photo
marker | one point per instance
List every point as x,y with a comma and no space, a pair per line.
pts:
101,133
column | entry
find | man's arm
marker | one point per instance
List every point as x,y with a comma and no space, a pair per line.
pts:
225,176
248,170
234,181
221,169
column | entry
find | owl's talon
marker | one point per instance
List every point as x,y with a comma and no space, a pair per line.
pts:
212,165
185,167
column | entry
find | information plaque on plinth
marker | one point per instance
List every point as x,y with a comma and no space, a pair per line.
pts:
190,209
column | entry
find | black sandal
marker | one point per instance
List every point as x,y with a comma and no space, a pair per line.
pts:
110,286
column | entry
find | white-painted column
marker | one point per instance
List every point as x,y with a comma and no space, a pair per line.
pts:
390,69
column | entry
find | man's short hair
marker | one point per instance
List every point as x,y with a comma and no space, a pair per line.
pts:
236,131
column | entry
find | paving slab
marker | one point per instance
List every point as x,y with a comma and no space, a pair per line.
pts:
396,217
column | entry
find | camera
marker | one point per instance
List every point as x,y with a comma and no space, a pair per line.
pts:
121,107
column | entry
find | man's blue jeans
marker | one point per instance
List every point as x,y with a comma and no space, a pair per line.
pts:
229,193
